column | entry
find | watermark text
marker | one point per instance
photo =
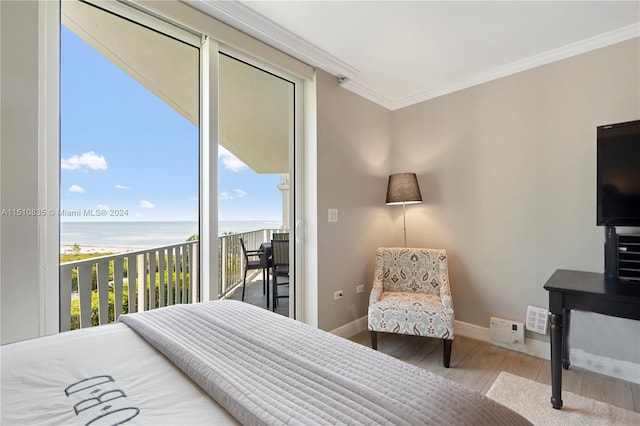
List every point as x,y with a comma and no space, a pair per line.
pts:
65,212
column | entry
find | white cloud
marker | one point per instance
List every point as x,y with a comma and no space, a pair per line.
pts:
102,207
237,193
88,160
230,161
122,187
76,188
146,204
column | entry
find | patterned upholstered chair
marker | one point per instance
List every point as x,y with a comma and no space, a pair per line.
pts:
411,295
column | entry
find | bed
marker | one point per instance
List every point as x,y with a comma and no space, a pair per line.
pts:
224,362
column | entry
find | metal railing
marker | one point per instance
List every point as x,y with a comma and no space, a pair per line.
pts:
98,290
231,260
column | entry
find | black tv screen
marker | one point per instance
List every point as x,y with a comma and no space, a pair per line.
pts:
619,174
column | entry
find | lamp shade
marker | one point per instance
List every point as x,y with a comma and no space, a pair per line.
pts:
403,188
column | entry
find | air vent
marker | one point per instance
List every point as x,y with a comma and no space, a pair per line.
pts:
537,319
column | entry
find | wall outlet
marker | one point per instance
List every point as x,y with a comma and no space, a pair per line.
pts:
338,295
360,288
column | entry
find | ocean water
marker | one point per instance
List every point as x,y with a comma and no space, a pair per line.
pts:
146,234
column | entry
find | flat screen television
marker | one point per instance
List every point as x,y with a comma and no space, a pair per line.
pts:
619,174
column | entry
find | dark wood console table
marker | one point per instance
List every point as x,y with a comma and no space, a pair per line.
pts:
583,291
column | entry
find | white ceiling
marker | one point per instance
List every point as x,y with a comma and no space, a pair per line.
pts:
398,53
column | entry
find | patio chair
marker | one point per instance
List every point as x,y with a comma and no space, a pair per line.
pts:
280,265
254,259
280,236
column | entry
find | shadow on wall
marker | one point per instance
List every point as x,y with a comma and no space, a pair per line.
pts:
463,291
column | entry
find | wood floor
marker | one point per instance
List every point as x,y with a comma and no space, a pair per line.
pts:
477,364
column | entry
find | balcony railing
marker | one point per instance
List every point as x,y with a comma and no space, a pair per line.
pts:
98,290
231,259
127,282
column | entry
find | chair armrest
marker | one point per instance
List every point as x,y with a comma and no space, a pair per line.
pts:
445,292
254,253
376,292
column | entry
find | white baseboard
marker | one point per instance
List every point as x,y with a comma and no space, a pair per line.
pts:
351,329
619,369
530,346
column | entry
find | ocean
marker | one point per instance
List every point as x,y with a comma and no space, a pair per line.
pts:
146,234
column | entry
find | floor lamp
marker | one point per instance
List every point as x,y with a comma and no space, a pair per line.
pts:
403,189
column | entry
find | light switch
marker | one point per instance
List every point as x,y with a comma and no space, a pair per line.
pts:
333,215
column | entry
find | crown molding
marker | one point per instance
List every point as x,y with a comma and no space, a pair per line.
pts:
248,21
368,93
573,49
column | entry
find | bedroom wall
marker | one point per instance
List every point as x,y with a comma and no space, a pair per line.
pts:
19,291
508,172
353,163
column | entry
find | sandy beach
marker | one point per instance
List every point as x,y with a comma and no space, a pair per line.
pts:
65,249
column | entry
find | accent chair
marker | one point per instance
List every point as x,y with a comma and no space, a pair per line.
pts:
411,295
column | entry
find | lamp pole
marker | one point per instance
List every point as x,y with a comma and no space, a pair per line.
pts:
404,222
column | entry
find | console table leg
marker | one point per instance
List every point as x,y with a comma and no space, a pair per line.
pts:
566,313
556,360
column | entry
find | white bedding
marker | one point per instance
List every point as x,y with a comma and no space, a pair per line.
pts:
267,369
97,367
263,368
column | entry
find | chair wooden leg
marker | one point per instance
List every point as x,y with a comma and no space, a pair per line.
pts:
374,340
447,352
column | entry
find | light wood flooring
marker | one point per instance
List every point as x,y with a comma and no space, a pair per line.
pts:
477,364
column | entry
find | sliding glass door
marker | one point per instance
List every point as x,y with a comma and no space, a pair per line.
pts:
130,163
256,143
168,134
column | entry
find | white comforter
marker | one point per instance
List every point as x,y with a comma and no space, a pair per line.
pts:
268,369
98,376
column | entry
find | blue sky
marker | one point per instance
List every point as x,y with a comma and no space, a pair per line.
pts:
122,148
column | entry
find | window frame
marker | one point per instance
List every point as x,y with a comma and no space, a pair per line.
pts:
49,151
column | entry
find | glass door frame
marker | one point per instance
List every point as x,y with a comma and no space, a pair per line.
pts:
49,159
49,149
296,156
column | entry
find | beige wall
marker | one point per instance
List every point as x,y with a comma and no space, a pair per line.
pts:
19,292
353,151
508,172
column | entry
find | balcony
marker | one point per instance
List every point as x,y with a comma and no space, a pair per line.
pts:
98,290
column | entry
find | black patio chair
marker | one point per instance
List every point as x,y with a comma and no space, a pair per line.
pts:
255,259
280,268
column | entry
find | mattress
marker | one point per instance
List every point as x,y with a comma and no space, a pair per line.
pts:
98,376
267,369
224,362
